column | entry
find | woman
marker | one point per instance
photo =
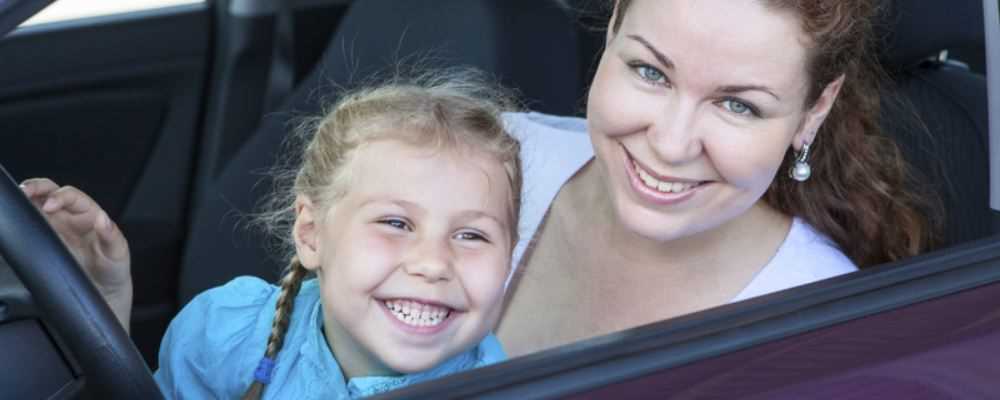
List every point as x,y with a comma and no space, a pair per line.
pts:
696,112
733,150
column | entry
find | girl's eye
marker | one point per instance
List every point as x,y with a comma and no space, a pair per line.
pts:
649,74
396,223
470,235
739,108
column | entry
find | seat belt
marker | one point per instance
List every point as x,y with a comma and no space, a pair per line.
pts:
281,78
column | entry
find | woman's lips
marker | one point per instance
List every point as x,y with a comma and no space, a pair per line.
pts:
658,189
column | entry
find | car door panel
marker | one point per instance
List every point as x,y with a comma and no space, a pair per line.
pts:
112,105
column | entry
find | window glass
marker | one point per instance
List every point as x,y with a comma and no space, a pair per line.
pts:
64,10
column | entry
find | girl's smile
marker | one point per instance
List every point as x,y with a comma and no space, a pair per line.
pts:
419,317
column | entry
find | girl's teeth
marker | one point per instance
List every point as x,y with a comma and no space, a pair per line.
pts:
417,314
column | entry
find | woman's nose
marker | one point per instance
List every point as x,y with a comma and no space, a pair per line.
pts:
673,136
431,260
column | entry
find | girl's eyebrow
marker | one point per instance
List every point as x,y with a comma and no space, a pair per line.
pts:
414,207
662,58
476,214
406,205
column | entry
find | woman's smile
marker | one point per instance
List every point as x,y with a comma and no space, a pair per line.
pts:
657,188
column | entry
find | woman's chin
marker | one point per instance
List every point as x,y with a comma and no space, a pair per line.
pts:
656,226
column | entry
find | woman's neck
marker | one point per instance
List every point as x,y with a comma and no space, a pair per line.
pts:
747,241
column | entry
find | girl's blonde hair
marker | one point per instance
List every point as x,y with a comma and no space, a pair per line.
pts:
451,110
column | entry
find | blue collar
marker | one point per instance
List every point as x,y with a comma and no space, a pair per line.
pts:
331,377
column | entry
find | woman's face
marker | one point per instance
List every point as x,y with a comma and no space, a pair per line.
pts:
692,109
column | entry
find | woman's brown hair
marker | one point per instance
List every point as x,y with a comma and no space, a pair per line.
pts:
861,193
448,110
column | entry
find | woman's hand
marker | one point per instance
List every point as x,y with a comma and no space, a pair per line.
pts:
94,240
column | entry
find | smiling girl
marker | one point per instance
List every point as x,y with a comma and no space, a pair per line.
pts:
405,210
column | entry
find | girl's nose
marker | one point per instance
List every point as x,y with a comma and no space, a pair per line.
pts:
430,260
673,136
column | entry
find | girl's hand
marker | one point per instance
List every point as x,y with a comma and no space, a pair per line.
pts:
94,240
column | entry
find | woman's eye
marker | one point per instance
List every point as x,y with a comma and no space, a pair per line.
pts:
738,107
650,74
396,223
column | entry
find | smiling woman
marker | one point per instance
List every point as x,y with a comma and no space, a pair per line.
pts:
736,152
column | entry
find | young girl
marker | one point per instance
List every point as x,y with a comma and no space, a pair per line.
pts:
405,209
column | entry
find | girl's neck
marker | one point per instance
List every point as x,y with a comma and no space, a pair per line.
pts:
353,359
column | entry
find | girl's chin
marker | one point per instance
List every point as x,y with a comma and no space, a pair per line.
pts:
404,364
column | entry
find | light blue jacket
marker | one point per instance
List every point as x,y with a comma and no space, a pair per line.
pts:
212,347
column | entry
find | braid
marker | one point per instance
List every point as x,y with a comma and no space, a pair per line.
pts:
290,285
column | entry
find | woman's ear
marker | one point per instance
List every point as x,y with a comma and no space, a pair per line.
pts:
610,31
305,232
817,114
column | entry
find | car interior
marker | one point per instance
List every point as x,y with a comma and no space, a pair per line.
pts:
172,117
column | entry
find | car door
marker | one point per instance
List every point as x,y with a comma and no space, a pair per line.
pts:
111,104
137,103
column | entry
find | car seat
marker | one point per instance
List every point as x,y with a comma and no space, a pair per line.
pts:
530,45
951,150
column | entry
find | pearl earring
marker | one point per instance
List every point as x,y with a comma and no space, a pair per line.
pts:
800,171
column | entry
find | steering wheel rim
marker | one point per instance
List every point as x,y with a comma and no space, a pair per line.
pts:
69,302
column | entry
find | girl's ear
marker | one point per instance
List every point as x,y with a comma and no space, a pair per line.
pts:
305,232
817,114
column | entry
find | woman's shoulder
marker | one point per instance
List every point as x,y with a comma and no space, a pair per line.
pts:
818,255
553,148
804,257
524,124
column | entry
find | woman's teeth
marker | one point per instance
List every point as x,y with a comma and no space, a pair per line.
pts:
417,314
664,187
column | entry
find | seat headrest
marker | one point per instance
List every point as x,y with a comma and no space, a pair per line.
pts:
915,30
530,45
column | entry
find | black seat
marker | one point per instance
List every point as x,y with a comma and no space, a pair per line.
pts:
528,44
951,149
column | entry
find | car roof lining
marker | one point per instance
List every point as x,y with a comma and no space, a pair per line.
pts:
14,12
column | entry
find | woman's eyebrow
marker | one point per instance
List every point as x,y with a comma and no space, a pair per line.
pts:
662,58
733,89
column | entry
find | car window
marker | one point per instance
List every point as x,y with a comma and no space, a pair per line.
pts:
66,10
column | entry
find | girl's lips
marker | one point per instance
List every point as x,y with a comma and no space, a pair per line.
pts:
658,197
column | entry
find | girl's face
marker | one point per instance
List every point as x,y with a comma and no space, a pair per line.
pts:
411,261
692,109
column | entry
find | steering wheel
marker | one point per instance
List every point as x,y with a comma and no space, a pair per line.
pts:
69,302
